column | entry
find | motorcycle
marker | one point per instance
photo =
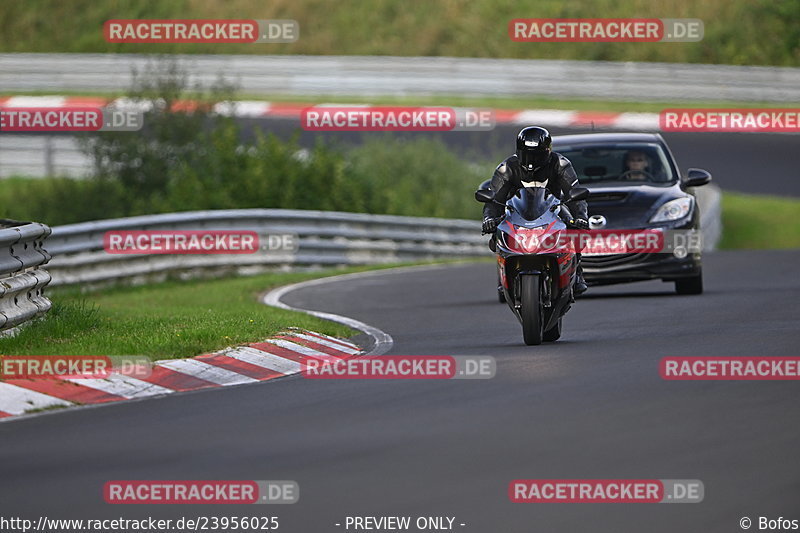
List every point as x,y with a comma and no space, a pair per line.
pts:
536,270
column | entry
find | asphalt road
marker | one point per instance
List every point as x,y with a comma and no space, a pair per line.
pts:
764,163
589,406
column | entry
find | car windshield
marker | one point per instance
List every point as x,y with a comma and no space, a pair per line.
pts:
615,162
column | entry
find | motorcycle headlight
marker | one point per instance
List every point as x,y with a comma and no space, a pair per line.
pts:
673,210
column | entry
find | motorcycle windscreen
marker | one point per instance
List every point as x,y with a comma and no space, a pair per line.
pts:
531,203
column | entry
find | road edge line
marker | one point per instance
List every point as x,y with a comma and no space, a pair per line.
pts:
383,341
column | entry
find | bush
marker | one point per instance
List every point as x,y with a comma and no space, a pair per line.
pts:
415,177
56,201
387,176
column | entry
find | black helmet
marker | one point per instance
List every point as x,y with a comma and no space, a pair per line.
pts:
533,147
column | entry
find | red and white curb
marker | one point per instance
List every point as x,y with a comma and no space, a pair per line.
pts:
282,355
257,109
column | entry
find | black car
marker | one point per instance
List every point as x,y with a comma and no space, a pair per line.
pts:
635,183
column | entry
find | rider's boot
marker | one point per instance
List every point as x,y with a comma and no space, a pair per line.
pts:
580,283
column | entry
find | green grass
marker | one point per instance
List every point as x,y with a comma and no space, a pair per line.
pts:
506,102
54,407
759,222
169,320
518,102
736,31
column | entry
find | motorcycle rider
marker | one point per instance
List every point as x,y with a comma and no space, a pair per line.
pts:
535,164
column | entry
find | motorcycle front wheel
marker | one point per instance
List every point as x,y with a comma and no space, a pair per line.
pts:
531,310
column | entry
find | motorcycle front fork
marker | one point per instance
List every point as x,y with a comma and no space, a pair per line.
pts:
544,287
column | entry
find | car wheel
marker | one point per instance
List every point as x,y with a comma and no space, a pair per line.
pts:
693,285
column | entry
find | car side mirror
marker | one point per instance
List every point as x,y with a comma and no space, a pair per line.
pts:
576,194
695,177
485,196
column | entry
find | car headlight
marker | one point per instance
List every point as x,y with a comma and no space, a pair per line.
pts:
673,210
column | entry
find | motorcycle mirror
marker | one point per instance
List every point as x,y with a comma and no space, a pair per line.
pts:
576,194
484,195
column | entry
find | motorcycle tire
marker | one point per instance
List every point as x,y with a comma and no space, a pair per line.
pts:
531,310
501,297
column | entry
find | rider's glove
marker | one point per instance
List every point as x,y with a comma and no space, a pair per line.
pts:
490,224
579,223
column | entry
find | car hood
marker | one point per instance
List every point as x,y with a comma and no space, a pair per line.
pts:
629,206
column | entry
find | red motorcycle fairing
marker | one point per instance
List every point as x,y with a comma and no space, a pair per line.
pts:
501,268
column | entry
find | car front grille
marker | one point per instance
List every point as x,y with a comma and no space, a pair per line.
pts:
607,197
599,261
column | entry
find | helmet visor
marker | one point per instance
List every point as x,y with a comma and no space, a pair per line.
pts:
533,158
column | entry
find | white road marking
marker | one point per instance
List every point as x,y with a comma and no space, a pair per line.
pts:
265,360
208,372
125,386
325,342
305,350
16,400
35,101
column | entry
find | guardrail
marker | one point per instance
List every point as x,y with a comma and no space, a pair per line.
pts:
709,201
22,281
43,155
324,239
392,76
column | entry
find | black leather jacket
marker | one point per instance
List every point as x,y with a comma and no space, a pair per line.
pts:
557,172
